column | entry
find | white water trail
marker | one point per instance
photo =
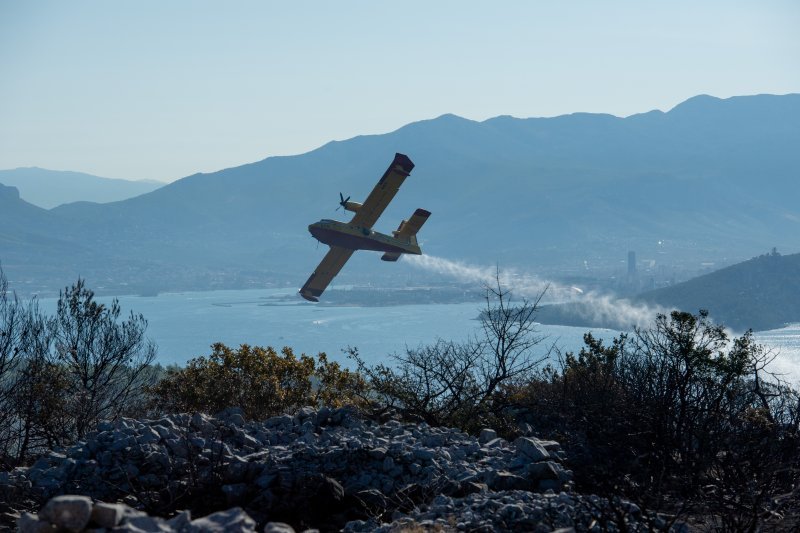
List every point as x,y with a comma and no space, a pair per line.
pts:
604,310
598,308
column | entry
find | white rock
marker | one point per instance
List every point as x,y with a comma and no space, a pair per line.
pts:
278,527
233,520
531,449
69,512
486,435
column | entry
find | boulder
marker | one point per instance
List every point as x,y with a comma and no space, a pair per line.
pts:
181,521
232,416
531,449
423,454
507,481
142,524
68,512
233,520
486,435
29,523
108,515
494,443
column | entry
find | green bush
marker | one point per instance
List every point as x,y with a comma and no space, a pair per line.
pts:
259,380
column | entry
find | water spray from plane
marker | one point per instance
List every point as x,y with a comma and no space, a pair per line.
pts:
597,307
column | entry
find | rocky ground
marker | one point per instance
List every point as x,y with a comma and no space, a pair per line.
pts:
322,469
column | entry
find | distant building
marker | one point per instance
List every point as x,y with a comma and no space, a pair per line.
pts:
631,263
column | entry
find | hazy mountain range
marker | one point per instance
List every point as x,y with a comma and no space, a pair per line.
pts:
711,180
50,188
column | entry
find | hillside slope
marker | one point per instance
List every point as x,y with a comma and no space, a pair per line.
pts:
49,188
762,293
709,180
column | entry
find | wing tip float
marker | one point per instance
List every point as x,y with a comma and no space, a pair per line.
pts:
345,238
309,296
404,162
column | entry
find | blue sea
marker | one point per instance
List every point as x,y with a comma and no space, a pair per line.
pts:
184,325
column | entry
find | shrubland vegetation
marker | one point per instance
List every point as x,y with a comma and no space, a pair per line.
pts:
677,417
464,384
60,375
259,380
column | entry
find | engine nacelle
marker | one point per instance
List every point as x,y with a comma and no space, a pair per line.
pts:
352,206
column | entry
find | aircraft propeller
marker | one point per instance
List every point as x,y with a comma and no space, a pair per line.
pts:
343,201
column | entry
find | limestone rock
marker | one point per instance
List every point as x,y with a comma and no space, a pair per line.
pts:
142,524
487,435
29,523
531,449
108,514
278,527
330,464
68,512
233,520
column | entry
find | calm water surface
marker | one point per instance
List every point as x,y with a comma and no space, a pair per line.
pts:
784,343
184,325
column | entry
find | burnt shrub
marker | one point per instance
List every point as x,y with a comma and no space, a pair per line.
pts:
465,384
60,375
675,416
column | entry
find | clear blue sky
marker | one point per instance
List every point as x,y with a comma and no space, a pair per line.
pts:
164,89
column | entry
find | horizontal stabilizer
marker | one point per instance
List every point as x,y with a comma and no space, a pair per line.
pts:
410,227
390,256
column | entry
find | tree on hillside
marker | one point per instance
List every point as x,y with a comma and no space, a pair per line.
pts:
28,391
106,361
60,375
14,335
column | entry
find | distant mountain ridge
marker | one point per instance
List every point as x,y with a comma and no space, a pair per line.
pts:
709,180
50,188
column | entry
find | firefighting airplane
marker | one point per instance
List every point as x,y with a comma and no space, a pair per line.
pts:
344,238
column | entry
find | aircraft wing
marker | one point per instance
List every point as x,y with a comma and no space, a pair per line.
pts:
384,191
330,265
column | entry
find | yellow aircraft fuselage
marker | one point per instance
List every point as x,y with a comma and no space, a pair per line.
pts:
344,238
344,235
